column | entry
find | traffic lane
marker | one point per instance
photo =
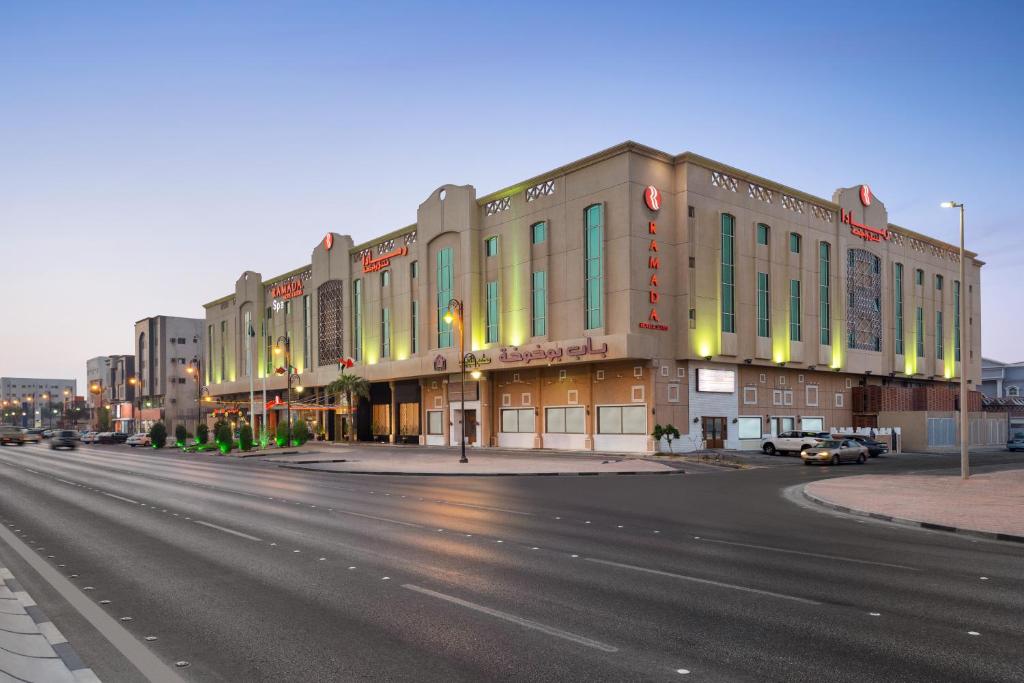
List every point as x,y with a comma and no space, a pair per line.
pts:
738,566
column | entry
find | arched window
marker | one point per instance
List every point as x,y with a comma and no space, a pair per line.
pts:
1012,391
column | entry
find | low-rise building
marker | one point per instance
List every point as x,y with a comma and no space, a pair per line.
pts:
999,379
111,390
36,401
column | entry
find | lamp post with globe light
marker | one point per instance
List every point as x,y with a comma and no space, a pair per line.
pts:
454,316
965,470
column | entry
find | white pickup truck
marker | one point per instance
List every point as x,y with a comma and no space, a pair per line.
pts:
792,442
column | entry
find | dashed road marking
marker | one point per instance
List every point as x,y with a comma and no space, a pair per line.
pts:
228,531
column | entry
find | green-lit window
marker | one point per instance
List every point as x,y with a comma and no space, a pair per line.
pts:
538,232
492,312
794,310
385,333
728,273
940,352
594,242
385,278
763,306
539,296
956,320
763,232
357,319
307,334
898,308
918,277
825,293
492,246
414,326
794,242
209,353
444,295
223,348
920,332
938,282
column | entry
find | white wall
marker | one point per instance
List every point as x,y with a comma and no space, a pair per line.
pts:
709,404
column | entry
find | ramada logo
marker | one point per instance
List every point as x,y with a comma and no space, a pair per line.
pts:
865,195
652,197
328,241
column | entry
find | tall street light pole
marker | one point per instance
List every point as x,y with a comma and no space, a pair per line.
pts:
194,369
284,344
454,315
965,470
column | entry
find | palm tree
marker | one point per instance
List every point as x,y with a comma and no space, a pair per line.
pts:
351,385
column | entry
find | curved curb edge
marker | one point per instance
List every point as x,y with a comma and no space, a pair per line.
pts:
480,474
990,535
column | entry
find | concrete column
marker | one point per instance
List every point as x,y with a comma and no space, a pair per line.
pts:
590,418
446,418
393,431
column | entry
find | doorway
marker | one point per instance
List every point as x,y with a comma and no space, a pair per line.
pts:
470,432
715,432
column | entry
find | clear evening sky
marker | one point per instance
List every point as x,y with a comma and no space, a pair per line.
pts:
151,152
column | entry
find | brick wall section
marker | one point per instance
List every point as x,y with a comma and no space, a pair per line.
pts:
879,399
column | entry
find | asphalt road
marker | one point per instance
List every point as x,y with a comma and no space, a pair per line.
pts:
249,572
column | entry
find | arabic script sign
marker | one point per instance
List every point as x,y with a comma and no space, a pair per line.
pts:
371,264
513,354
862,230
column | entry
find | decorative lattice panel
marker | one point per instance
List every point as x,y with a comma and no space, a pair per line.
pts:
758,192
792,203
540,190
864,304
822,214
719,179
498,205
330,325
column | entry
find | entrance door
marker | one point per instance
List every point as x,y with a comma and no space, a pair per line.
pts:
470,425
715,432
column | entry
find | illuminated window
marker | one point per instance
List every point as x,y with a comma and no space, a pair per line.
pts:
940,352
414,326
898,308
357,320
539,296
956,321
247,322
594,238
794,310
763,306
824,294
920,332
492,312
538,233
763,232
385,333
728,273
223,348
444,295
307,334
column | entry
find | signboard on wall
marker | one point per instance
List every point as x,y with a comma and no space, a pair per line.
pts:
716,381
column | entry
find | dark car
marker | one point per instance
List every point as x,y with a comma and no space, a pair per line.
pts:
104,437
875,448
1015,442
64,438
119,437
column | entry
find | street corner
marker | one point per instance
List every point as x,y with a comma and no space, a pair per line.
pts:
989,504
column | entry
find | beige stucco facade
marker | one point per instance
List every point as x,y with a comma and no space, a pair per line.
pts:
629,316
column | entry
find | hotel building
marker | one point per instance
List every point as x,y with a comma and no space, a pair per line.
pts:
627,289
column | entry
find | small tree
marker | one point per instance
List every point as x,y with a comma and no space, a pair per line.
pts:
158,435
180,435
671,434
223,437
282,434
245,438
102,420
350,384
202,433
300,433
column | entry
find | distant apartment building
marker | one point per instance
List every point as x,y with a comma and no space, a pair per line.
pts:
999,380
31,401
110,388
165,348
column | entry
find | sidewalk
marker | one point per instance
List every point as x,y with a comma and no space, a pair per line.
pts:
31,647
989,504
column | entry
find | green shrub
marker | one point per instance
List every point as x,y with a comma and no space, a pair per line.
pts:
282,434
245,438
202,433
223,437
180,435
300,433
158,435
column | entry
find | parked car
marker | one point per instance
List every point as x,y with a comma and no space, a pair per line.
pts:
47,433
89,437
64,438
1015,442
835,451
140,439
105,437
792,442
875,448
11,435
120,437
32,435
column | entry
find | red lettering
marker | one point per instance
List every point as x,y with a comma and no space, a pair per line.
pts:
654,297
654,279
653,262
652,228
654,315
653,246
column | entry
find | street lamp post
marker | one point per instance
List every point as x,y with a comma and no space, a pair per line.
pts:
137,412
454,315
194,369
64,417
965,470
284,344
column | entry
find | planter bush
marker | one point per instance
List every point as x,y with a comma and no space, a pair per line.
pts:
245,438
223,437
282,434
180,435
300,433
202,434
158,435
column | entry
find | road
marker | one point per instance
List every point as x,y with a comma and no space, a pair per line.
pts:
249,572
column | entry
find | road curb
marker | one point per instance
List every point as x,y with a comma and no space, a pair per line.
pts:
48,630
990,535
478,474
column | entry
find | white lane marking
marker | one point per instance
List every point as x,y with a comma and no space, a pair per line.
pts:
973,633
228,531
808,554
527,623
487,507
65,481
707,582
127,500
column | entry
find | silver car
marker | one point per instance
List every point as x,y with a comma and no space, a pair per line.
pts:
1015,442
834,452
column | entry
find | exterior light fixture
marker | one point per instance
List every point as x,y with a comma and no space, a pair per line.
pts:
707,357
475,374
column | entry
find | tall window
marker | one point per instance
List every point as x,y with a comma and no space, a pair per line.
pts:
956,320
728,273
940,352
794,242
492,312
824,293
223,349
247,321
414,326
539,296
762,234
209,354
920,332
385,333
414,270
538,232
938,282
898,308
794,310
357,319
444,295
918,277
492,246
385,278
307,334
763,306
595,267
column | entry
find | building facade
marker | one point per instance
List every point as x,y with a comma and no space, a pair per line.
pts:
32,401
1000,380
110,389
166,347
627,289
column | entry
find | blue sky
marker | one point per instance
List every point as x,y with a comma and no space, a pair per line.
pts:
151,152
